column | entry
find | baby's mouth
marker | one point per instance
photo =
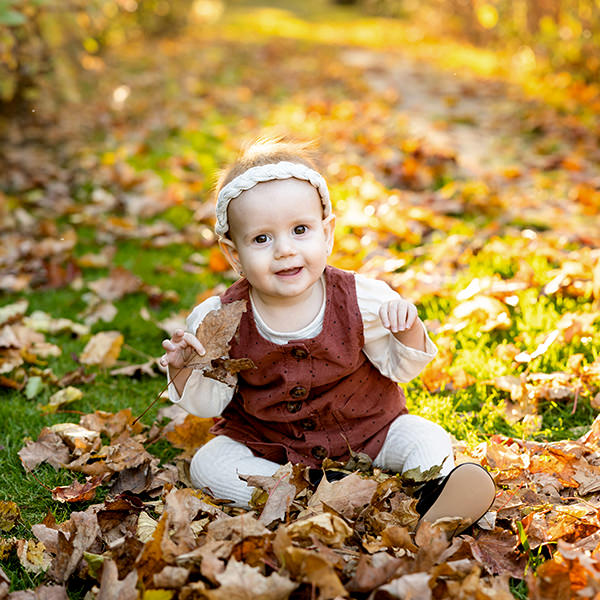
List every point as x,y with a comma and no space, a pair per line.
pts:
289,272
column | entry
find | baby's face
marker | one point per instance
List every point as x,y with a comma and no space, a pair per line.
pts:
279,238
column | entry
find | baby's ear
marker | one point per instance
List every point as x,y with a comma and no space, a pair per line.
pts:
329,229
231,254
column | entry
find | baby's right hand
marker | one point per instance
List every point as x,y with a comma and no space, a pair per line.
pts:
180,349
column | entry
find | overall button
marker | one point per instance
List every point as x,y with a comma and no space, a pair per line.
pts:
319,452
308,424
294,407
299,353
298,392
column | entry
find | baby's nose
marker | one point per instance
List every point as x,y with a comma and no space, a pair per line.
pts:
284,246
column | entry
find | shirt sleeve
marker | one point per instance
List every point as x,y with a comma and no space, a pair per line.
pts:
392,358
202,396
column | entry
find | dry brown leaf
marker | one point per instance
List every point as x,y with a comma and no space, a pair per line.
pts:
76,377
111,588
496,552
49,448
77,491
8,339
329,528
77,437
10,360
40,321
103,349
345,496
225,370
11,313
242,582
125,453
4,584
147,368
236,528
112,424
216,330
42,592
312,567
171,577
373,571
83,530
280,491
119,283
100,311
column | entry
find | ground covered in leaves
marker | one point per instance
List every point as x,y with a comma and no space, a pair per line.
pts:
475,201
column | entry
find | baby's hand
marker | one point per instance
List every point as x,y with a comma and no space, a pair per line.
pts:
398,315
180,349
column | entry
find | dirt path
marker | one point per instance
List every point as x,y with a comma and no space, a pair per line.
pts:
448,110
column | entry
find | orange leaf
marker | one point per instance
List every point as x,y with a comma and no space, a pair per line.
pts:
217,262
191,434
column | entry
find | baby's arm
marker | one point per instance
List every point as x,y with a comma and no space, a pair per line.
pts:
400,355
199,395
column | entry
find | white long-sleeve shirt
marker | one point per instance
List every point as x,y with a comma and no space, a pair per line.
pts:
206,397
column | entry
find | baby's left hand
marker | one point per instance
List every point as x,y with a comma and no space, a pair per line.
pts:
398,315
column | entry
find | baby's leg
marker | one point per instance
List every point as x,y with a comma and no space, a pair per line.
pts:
466,492
413,441
216,465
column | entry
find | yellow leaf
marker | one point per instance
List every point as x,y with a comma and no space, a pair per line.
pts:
9,515
103,349
69,394
158,594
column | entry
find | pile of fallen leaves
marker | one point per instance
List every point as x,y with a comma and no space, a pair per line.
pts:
153,536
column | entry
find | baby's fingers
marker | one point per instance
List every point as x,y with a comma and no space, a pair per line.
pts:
397,317
194,342
168,345
384,315
411,316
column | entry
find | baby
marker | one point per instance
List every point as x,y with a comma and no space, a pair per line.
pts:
330,348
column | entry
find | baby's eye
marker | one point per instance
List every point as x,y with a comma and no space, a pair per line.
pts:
300,229
261,238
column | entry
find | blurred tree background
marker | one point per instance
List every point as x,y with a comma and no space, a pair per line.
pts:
47,47
562,35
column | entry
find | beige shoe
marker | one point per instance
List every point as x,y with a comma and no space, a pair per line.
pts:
467,492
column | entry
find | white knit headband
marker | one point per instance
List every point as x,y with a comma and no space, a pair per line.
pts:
248,179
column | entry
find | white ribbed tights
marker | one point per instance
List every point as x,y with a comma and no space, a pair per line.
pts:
411,442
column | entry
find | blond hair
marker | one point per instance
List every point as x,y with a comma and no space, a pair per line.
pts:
265,151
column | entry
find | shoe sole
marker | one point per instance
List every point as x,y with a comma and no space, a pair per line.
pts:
454,502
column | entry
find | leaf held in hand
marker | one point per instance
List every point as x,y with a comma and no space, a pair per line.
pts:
217,329
226,369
